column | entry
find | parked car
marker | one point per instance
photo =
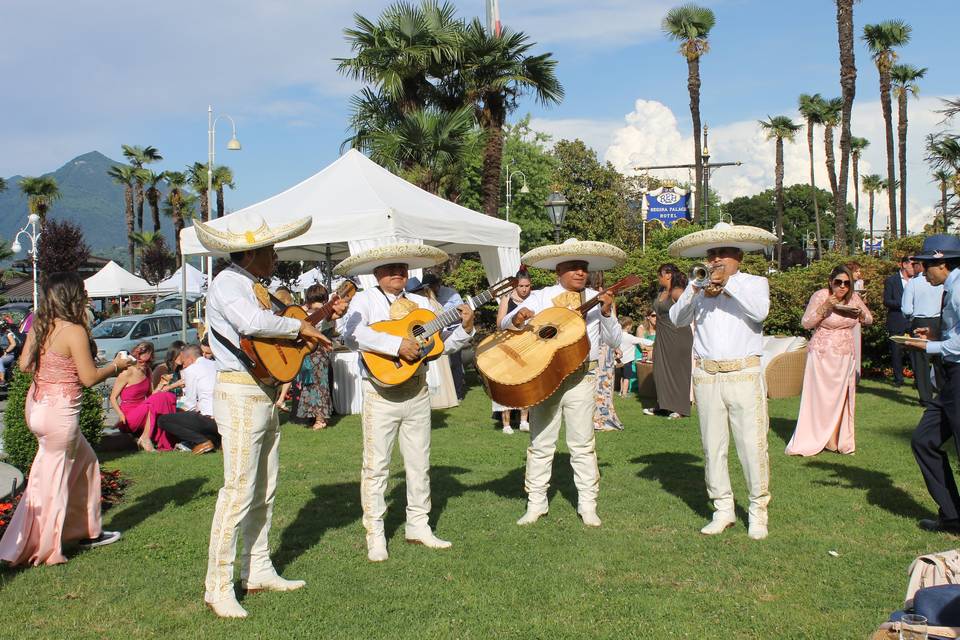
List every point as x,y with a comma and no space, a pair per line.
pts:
172,301
123,333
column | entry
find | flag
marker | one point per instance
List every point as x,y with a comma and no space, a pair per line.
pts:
493,17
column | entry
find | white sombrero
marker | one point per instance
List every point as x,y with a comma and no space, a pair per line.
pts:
723,234
248,232
599,256
415,256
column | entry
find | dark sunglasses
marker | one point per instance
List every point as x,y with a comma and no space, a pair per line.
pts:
839,282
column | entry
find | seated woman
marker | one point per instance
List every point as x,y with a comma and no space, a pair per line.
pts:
829,392
137,407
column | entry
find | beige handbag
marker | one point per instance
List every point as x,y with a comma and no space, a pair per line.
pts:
932,570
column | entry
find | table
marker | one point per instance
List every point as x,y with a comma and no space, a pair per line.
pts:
347,391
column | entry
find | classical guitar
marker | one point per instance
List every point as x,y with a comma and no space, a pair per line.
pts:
421,326
278,360
523,368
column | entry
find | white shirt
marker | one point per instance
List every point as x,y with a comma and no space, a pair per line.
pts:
598,327
373,305
198,382
627,342
233,310
729,326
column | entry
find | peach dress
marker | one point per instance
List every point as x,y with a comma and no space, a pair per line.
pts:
828,401
62,499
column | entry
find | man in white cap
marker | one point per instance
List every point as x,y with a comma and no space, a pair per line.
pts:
244,409
728,313
402,411
575,400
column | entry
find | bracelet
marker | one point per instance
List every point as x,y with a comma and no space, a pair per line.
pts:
116,369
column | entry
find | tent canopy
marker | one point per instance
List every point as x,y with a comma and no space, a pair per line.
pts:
113,280
196,281
356,204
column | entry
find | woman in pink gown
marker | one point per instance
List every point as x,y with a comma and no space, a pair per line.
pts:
138,407
828,401
62,499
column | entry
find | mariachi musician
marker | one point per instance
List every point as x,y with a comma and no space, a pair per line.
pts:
575,399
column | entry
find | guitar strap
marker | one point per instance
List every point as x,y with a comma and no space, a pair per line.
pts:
234,350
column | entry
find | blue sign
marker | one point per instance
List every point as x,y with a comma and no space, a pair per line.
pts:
667,207
873,247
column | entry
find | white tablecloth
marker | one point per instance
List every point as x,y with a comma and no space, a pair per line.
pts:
347,393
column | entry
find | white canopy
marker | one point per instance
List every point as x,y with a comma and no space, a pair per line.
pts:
113,280
196,281
356,204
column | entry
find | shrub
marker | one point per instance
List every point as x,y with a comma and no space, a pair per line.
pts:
20,444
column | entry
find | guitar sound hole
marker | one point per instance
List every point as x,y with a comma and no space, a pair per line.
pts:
417,331
547,332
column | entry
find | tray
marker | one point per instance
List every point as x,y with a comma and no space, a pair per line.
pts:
903,339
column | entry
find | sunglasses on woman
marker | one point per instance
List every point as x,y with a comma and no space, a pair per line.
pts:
839,282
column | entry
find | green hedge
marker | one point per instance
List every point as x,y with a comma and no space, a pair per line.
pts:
20,444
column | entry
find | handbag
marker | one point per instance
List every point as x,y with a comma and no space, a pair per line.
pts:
932,570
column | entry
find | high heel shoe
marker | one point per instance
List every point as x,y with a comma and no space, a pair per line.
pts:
146,445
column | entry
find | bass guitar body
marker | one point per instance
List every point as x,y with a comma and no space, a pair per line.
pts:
524,368
278,360
393,370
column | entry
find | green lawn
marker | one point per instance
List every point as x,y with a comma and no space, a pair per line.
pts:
647,573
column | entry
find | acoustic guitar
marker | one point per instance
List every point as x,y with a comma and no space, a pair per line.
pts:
522,368
278,360
422,326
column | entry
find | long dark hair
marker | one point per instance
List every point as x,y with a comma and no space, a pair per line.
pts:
677,279
173,352
841,270
62,298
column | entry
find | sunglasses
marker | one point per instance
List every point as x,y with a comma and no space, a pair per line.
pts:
839,282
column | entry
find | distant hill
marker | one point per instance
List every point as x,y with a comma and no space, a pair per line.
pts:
90,198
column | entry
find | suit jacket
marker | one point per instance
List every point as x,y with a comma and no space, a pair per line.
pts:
892,298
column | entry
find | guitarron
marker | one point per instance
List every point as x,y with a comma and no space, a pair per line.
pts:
422,326
523,368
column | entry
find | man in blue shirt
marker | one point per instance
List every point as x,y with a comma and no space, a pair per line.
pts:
921,307
941,420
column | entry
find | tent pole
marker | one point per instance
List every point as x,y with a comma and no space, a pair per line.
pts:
328,270
183,297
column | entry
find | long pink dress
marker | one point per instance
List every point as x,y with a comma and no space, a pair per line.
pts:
139,406
828,401
62,499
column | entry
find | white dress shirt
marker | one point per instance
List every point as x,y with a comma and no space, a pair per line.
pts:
627,343
729,326
198,382
599,328
233,310
373,305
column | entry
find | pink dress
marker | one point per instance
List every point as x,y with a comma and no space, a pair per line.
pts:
62,499
139,406
828,401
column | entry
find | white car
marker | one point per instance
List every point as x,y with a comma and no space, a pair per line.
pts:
123,333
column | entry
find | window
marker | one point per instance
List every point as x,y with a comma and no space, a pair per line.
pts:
117,329
145,329
168,324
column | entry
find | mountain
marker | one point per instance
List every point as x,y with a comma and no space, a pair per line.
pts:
91,199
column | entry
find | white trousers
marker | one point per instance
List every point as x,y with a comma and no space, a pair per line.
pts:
573,404
248,424
737,402
390,414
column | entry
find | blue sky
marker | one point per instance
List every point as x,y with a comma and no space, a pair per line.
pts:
83,76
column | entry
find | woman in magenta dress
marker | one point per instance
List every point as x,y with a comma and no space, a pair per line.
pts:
62,500
828,400
138,407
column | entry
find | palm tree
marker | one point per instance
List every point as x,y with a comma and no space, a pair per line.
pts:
41,193
174,208
871,184
848,90
126,175
857,145
945,178
881,39
494,72
779,128
197,181
139,156
222,177
832,110
152,194
904,78
811,108
690,25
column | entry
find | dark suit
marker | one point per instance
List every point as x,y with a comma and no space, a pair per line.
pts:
897,324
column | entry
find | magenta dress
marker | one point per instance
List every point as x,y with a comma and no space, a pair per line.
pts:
828,401
62,499
139,406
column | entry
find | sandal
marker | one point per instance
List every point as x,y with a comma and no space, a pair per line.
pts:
283,406
146,445
319,425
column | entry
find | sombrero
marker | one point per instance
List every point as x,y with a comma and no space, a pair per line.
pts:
723,234
599,256
248,232
415,256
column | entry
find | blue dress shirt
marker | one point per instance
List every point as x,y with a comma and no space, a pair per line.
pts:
921,299
949,347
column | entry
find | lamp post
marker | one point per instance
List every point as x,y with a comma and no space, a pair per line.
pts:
34,236
510,177
705,154
556,206
811,245
232,145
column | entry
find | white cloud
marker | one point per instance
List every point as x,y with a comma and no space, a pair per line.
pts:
597,134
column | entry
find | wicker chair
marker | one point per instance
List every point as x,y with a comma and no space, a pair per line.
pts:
784,374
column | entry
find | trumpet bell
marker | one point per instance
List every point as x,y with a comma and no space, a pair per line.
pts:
700,276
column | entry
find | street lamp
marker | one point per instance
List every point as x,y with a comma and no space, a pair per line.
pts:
524,189
556,206
34,236
232,145
811,245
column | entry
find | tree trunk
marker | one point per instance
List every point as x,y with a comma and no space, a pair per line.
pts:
494,115
856,194
831,164
138,197
155,211
129,215
848,88
220,205
205,205
887,109
813,186
693,86
779,198
902,136
870,214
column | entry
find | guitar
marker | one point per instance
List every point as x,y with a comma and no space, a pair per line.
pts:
278,360
421,326
523,368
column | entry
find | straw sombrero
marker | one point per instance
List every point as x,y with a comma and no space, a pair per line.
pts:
248,232
723,234
415,256
599,256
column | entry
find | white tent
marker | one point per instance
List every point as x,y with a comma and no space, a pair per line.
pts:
114,280
356,204
196,281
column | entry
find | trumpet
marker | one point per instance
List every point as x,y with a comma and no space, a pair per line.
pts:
700,275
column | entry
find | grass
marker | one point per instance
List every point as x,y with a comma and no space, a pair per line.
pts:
647,573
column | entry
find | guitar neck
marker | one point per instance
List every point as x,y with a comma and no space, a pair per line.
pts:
323,312
452,316
627,283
